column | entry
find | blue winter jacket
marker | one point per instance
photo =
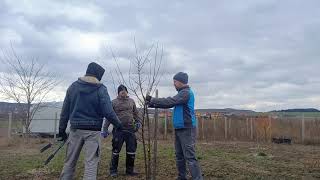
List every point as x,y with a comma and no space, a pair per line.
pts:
86,103
183,103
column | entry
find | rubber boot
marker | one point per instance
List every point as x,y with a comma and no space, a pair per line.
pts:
130,165
114,165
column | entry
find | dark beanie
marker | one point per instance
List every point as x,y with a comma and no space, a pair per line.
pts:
121,88
181,77
95,70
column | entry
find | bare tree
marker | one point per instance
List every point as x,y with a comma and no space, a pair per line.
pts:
142,79
26,82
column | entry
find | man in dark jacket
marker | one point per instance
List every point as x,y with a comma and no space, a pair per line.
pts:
128,114
86,103
184,122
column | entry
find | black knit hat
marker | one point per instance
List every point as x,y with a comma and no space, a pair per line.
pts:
95,70
181,77
121,88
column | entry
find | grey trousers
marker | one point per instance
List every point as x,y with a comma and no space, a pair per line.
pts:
91,142
185,140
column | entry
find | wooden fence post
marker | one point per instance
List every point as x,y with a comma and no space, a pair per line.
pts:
251,128
225,128
198,128
247,127
229,129
55,126
202,128
270,128
10,125
165,124
302,128
214,128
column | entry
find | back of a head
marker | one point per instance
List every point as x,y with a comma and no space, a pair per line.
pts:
95,70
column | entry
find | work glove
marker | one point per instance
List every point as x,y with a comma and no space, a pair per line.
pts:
104,134
63,136
148,98
137,126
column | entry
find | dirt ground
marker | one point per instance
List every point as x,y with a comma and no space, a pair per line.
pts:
3,132
219,160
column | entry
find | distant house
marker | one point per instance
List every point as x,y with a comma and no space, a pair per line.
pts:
46,119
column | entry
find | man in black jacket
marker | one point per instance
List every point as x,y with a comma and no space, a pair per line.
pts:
86,103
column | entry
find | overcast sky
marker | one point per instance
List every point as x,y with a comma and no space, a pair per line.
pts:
252,54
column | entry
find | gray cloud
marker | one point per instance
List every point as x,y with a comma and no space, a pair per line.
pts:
259,55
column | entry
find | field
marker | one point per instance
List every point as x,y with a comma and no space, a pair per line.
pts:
223,150
219,160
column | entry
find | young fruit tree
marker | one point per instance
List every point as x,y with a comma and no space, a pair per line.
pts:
142,79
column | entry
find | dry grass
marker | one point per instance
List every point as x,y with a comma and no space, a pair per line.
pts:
219,160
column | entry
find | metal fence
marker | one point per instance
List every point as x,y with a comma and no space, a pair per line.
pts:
12,124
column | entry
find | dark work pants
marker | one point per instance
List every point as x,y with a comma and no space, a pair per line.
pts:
119,137
185,140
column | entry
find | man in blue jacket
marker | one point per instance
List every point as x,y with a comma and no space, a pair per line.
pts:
86,103
184,122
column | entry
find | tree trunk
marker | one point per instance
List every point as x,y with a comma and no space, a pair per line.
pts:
144,142
155,145
149,145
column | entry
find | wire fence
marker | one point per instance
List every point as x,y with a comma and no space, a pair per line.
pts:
299,129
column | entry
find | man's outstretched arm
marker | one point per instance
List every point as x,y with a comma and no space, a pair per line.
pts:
181,98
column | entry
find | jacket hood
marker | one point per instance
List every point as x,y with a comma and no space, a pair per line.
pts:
95,70
88,84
